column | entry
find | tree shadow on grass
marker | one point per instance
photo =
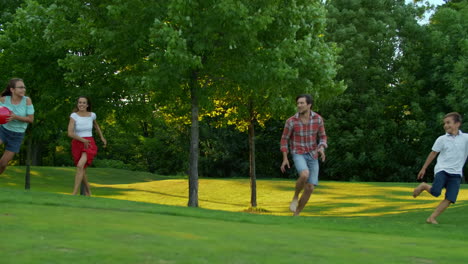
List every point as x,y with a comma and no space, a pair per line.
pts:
117,176
108,176
363,199
109,191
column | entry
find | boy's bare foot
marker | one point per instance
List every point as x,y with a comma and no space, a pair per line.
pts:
418,190
432,221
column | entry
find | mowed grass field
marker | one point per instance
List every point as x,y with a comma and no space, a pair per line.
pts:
147,221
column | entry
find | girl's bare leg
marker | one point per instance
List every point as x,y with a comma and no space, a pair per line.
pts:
87,189
6,158
80,171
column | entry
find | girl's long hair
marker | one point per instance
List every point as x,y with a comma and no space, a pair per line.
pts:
87,108
11,84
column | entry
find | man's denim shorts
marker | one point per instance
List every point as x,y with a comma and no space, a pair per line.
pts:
307,162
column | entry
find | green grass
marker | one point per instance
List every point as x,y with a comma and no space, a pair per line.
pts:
273,196
46,226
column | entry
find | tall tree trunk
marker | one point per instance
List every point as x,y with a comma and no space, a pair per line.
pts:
253,177
35,153
194,149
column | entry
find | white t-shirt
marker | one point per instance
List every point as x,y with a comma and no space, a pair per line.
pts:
453,151
84,125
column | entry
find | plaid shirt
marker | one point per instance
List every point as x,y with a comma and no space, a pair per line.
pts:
303,137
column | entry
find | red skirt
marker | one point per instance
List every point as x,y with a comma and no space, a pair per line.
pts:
78,148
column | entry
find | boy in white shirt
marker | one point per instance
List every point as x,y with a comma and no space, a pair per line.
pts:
452,149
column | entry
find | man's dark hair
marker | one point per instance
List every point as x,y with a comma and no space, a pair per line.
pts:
308,98
457,118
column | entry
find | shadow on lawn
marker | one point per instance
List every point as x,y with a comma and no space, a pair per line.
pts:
109,191
116,176
44,175
329,199
368,199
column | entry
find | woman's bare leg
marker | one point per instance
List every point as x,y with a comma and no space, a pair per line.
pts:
80,171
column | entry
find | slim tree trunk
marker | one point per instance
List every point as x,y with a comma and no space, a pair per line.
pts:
253,177
35,158
82,189
194,149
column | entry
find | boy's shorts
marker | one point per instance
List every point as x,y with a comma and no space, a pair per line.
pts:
307,162
11,139
451,183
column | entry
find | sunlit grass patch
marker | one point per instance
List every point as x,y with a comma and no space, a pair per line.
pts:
273,196
349,222
343,199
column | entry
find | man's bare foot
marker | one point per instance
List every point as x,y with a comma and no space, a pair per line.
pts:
293,206
418,190
432,221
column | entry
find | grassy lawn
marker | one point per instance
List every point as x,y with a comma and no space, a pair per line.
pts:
273,196
147,222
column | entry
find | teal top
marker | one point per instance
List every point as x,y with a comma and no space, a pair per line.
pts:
20,109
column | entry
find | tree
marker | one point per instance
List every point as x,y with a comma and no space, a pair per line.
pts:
281,52
445,54
69,48
375,120
250,54
449,35
27,55
8,9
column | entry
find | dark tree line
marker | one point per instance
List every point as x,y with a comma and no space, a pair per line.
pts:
142,64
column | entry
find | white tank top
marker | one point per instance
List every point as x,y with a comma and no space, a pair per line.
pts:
84,125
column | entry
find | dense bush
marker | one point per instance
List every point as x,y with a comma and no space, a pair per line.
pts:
115,164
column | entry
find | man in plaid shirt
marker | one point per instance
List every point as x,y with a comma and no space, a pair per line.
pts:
305,134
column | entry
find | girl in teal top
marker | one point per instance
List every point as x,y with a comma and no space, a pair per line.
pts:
12,133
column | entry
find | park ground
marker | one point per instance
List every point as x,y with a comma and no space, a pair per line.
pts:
137,217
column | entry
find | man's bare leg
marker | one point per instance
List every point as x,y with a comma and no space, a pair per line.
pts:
300,183
309,188
439,209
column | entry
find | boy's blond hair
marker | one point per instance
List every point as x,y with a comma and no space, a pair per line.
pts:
457,118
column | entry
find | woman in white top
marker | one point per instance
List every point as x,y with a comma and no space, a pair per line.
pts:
80,129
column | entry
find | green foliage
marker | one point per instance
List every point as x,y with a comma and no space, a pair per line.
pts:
377,127
223,152
7,11
137,60
268,156
449,30
106,163
165,153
